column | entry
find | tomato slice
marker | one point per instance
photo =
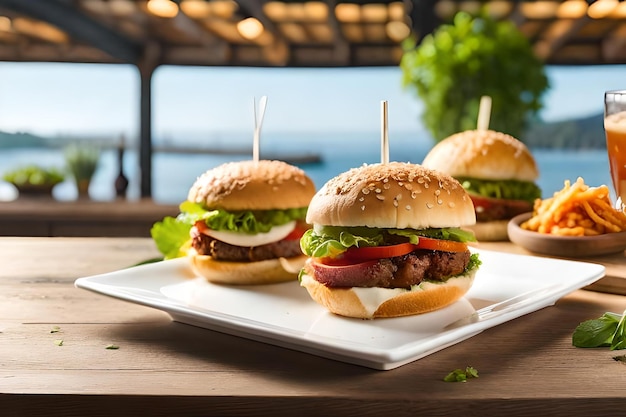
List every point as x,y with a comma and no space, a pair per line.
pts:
201,226
480,201
379,252
298,231
369,253
442,245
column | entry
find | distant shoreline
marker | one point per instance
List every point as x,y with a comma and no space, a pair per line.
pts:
572,134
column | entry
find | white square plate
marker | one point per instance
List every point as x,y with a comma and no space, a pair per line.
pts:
507,286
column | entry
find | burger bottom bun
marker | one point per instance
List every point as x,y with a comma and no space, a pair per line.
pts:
358,302
492,231
247,273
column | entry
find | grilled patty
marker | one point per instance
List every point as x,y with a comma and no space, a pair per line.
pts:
221,251
398,272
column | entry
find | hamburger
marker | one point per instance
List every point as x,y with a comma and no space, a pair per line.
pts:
387,241
497,170
241,223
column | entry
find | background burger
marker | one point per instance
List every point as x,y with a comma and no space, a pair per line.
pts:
242,223
386,242
497,170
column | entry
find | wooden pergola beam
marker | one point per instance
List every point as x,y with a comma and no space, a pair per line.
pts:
79,26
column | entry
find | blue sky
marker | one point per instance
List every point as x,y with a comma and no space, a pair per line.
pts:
87,99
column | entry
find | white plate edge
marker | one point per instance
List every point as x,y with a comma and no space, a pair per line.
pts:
382,359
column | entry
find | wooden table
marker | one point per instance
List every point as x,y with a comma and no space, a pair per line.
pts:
46,217
163,368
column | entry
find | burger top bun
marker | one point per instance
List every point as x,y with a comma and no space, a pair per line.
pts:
250,185
393,195
483,154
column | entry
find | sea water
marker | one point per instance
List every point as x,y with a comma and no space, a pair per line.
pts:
174,173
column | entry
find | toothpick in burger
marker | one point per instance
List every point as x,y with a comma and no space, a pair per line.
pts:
387,241
241,223
497,170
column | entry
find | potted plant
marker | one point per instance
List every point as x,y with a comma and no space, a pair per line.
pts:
472,57
82,162
34,180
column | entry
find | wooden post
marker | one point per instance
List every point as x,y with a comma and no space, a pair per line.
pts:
148,63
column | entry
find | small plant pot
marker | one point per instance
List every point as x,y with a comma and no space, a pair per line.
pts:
34,191
83,188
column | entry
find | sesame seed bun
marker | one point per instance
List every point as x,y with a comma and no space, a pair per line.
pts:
250,185
484,154
394,195
399,196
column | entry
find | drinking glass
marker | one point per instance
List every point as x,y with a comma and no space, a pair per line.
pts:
615,129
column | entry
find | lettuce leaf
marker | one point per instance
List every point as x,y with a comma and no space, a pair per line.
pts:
505,189
331,241
456,234
474,262
250,222
171,235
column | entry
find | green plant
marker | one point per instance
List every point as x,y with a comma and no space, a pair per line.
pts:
34,176
82,161
475,56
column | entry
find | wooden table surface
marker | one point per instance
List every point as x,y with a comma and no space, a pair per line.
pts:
46,217
527,366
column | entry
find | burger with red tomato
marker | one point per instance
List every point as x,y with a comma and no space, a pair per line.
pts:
242,223
497,170
387,241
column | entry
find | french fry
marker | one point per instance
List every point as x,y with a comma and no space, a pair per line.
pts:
599,220
576,210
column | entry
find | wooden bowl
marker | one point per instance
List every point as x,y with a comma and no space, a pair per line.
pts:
566,246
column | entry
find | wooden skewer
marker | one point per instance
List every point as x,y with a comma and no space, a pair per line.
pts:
384,137
258,122
484,113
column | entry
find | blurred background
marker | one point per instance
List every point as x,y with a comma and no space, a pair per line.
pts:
163,90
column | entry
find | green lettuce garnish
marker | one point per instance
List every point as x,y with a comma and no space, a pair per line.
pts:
505,189
331,241
250,222
171,235
461,375
607,330
474,262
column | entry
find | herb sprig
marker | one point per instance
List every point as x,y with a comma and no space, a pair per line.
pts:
609,330
461,375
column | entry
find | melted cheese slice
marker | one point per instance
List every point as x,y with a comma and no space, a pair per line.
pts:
275,234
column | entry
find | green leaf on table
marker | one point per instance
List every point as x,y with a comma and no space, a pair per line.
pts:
619,337
461,375
607,330
597,332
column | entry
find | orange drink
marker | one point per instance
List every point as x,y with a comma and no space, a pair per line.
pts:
615,129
